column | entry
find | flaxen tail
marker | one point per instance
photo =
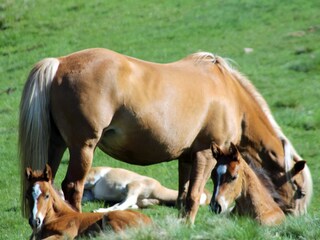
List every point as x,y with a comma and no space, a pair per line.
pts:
34,122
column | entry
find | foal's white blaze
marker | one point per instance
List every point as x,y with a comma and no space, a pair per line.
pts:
36,192
222,169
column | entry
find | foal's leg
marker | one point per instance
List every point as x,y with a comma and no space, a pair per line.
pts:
200,172
134,189
79,165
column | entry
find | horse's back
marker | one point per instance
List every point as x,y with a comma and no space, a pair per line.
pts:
139,110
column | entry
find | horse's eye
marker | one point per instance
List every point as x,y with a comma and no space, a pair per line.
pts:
46,196
302,194
231,178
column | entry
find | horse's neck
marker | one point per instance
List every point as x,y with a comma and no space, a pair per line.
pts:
255,196
59,206
259,137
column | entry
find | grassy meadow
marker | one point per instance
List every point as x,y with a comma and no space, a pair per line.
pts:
283,62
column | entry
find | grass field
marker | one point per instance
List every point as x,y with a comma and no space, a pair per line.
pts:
284,65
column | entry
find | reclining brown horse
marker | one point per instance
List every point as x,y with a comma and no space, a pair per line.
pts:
145,113
51,217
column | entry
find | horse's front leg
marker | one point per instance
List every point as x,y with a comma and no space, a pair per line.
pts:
79,165
184,176
201,168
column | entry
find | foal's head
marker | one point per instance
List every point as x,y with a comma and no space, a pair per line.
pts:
227,178
38,196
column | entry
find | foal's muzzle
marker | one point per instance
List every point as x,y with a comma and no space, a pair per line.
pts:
35,223
215,207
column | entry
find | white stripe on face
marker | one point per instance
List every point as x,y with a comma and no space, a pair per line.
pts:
223,203
36,192
222,169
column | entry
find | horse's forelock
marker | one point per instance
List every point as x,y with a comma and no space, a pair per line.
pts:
307,184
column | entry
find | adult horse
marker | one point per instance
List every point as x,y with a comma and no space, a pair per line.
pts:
145,113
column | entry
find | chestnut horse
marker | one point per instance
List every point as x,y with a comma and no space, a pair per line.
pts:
51,217
145,113
235,182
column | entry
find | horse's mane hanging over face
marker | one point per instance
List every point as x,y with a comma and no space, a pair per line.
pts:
265,179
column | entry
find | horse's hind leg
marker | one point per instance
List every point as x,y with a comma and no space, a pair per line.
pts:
79,165
57,147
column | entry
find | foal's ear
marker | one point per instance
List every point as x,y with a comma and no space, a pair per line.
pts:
47,173
216,151
233,151
28,173
298,167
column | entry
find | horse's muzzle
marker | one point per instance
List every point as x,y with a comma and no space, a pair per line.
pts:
35,223
215,207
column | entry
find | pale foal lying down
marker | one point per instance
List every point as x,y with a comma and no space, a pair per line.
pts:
128,189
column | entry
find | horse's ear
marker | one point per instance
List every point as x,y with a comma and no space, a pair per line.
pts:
216,151
298,167
233,151
47,173
28,173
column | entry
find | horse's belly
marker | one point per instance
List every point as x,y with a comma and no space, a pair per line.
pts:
137,147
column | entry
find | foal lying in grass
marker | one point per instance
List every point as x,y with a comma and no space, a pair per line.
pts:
235,181
129,189
52,218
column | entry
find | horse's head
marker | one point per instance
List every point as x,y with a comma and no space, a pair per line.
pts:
38,196
293,187
227,179
291,177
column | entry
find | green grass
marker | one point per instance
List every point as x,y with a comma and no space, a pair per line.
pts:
284,66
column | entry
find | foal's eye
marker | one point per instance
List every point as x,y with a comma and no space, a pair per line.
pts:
231,178
46,196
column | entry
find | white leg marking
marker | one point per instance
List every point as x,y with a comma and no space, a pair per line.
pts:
203,199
